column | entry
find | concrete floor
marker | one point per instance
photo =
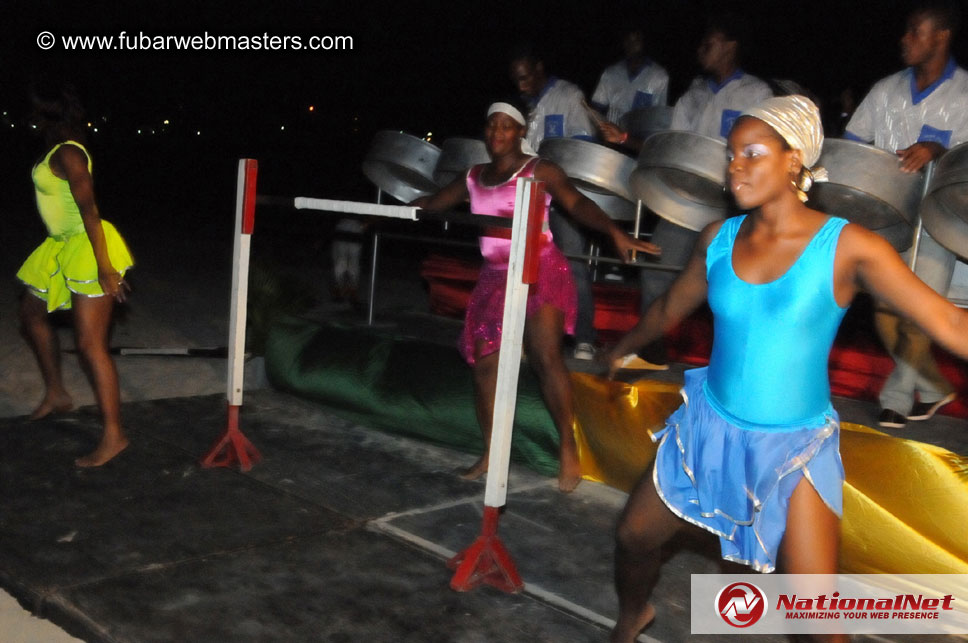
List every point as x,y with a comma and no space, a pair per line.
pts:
341,533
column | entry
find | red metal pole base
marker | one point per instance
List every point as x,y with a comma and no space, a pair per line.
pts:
485,561
233,447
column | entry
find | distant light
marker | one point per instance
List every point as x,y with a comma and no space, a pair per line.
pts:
283,127
152,131
139,131
95,129
198,133
312,108
166,121
33,126
90,124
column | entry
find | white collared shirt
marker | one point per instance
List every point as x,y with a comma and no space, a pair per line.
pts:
558,112
619,94
710,109
894,115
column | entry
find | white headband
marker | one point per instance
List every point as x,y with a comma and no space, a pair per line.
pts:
517,116
509,109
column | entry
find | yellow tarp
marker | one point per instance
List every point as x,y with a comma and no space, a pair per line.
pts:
905,502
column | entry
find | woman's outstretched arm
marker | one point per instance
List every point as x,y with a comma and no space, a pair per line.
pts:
684,296
585,212
867,262
452,194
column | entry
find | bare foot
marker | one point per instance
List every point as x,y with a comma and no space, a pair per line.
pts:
103,453
569,472
475,471
53,403
630,631
568,483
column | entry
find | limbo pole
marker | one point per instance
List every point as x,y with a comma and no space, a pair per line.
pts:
487,560
233,447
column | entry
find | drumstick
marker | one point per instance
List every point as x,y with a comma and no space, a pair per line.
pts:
593,113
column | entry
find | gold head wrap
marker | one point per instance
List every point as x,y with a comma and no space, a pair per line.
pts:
797,120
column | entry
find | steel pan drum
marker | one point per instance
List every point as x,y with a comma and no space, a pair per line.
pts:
646,121
681,176
944,210
457,155
590,166
615,207
401,165
867,187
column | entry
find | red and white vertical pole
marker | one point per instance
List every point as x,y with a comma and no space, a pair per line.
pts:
233,447
487,560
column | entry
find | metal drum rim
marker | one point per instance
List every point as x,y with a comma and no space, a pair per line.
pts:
846,142
675,133
386,133
617,188
647,162
857,166
377,163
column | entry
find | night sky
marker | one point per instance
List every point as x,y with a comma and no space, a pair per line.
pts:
415,66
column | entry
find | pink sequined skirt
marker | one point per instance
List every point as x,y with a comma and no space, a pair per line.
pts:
485,310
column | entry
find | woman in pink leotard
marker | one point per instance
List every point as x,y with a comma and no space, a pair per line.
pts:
552,301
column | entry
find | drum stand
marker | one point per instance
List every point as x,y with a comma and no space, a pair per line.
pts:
919,225
371,296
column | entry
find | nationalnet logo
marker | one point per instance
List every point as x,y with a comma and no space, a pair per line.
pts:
900,606
741,604
829,604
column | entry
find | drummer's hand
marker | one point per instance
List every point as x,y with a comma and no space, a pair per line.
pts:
915,157
625,245
612,133
420,202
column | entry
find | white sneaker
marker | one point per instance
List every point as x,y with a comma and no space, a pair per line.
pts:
584,351
633,362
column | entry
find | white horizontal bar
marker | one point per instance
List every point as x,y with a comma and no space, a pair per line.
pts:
356,207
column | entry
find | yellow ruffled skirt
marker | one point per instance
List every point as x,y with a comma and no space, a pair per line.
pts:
65,265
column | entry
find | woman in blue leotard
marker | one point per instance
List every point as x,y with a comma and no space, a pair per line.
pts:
752,455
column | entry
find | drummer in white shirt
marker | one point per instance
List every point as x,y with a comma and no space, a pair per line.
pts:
713,101
635,82
556,108
918,113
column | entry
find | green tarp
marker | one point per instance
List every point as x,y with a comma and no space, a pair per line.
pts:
401,385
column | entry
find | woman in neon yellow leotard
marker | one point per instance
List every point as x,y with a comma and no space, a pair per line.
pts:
80,266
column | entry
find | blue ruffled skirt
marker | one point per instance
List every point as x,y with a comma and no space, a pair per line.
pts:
737,482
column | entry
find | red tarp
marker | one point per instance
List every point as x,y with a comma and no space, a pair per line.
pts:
858,362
